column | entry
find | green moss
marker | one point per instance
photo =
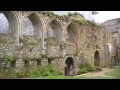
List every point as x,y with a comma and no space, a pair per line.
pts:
4,38
75,18
97,46
86,67
28,40
115,72
8,58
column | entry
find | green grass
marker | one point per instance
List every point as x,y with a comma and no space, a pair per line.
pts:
70,77
43,71
115,72
47,72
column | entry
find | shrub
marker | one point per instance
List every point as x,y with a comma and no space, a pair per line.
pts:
86,68
28,72
8,58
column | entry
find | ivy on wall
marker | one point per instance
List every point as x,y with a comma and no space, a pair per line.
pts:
75,18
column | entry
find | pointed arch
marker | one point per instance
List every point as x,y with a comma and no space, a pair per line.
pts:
71,32
97,58
13,24
4,24
70,66
54,30
34,22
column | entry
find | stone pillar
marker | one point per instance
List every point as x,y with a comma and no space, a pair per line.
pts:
19,64
17,37
43,46
19,61
33,64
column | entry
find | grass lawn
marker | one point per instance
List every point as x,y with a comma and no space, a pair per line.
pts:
48,73
115,72
71,77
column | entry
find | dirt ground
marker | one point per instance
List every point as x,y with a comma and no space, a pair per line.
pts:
98,74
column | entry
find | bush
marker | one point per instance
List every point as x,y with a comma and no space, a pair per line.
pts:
86,68
28,72
115,72
83,70
8,58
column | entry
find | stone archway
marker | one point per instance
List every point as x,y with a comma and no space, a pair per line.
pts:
71,33
32,26
54,30
69,69
10,25
97,58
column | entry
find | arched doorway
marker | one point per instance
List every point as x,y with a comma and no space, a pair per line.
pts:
69,69
97,58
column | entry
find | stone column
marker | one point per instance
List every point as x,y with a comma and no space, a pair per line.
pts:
44,60
17,36
19,61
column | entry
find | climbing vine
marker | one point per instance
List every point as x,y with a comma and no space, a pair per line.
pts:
71,17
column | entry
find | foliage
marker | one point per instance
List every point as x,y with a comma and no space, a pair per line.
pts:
71,17
115,72
8,58
86,67
29,72
4,38
97,46
27,40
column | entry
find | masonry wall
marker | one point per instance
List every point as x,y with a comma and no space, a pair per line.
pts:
46,50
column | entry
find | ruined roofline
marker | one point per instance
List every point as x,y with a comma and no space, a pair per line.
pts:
71,18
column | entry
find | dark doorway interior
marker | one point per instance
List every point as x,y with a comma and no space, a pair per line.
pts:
69,66
49,61
97,58
13,64
26,63
38,62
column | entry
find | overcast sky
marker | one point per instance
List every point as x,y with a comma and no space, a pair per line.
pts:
101,17
106,15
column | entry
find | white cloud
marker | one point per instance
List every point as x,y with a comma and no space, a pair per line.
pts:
101,17
106,15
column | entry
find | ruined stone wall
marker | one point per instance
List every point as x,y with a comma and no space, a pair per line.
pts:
51,49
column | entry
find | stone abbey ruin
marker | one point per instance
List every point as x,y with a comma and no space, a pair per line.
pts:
38,38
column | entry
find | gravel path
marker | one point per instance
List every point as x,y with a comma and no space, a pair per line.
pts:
98,74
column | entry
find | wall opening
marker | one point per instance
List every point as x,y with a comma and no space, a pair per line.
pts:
54,31
70,33
26,63
8,27
97,58
49,61
28,28
69,69
4,24
32,26
38,62
13,64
